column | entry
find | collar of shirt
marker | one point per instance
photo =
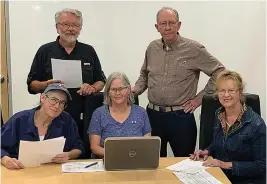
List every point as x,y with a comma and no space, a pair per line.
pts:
54,128
59,47
243,117
174,45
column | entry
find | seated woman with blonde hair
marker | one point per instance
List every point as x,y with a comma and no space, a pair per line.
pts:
239,137
119,117
46,121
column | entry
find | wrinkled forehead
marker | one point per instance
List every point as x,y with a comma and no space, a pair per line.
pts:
166,15
69,17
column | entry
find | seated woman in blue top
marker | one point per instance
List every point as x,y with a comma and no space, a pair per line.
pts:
239,137
119,117
46,121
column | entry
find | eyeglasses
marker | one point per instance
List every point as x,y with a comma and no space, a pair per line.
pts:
229,91
120,89
54,101
165,23
67,26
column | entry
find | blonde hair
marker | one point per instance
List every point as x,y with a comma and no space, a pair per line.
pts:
230,75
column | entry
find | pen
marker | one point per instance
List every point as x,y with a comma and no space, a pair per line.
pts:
91,165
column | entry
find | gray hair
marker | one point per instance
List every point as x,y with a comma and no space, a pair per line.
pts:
125,81
75,12
169,8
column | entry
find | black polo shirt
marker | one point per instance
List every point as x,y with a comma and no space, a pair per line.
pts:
41,70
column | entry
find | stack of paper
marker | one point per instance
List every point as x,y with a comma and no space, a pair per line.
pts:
202,177
77,167
191,172
188,166
39,152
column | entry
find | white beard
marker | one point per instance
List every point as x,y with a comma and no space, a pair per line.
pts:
68,38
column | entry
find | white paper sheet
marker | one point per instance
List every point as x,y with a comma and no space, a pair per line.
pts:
202,177
188,166
39,152
68,71
78,167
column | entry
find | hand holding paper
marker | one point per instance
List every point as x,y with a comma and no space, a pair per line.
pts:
39,152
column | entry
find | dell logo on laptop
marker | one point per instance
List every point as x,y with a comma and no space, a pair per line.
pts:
132,154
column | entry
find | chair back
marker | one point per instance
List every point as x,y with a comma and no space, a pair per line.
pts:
207,118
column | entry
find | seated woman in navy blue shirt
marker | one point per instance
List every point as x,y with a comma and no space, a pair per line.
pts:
46,121
119,117
239,137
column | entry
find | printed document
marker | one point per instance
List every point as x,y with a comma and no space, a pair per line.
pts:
202,177
68,71
78,167
34,153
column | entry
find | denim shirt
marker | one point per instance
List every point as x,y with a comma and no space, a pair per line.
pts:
244,147
21,127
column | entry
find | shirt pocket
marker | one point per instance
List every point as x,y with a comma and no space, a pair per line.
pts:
179,67
87,72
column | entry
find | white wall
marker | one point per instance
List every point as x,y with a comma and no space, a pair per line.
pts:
234,32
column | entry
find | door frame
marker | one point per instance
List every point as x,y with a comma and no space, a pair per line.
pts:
4,67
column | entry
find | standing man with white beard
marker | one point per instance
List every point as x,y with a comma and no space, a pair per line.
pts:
66,47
